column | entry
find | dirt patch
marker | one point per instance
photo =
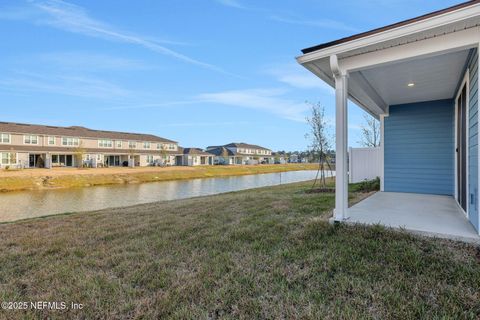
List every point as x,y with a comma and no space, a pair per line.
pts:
321,190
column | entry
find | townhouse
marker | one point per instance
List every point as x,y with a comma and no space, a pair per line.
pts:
40,146
241,153
196,157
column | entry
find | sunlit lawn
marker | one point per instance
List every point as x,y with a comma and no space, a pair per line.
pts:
264,253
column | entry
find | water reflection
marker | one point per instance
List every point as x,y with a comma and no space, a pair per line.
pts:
28,204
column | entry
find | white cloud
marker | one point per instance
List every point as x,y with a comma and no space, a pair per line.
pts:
72,85
266,100
73,18
320,23
296,76
231,3
89,61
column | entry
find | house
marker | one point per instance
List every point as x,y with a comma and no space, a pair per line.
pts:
196,157
419,77
241,153
41,146
279,157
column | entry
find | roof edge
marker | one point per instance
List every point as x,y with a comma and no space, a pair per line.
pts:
389,27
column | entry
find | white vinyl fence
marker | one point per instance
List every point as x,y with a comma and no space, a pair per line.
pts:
364,164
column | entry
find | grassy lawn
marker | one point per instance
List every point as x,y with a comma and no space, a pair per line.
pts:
264,253
31,179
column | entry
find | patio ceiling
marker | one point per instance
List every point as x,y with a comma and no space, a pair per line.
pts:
431,78
429,51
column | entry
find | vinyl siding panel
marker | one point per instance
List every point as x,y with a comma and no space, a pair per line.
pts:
473,141
419,148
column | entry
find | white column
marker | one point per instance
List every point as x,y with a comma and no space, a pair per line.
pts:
341,144
382,152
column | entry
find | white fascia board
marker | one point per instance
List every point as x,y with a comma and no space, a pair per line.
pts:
373,110
402,31
451,42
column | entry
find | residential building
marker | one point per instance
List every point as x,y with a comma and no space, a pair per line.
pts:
241,153
419,78
196,157
280,157
41,146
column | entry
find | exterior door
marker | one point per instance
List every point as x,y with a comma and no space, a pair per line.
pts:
31,161
461,149
69,161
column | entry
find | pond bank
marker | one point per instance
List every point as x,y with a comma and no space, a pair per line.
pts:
38,179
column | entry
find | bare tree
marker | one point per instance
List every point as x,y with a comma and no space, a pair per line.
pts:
163,154
320,141
370,132
79,153
224,155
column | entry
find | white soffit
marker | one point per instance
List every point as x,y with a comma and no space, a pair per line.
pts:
434,78
419,36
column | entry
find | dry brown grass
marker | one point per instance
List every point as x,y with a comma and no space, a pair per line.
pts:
31,179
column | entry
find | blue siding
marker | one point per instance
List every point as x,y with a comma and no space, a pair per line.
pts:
473,142
419,148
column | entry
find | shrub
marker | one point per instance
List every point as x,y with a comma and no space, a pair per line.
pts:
366,186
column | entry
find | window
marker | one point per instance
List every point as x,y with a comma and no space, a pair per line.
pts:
105,143
150,158
70,142
4,138
171,146
119,144
9,158
30,139
159,146
99,157
51,141
146,145
132,144
55,158
87,157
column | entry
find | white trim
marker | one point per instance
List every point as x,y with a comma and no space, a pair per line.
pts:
48,141
30,137
9,138
451,42
341,144
10,163
103,146
402,31
382,151
73,141
465,82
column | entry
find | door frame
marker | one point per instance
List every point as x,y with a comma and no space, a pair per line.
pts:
465,83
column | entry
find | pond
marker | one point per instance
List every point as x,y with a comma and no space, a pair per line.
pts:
30,204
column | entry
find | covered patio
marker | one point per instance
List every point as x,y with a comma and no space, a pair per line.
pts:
425,214
419,78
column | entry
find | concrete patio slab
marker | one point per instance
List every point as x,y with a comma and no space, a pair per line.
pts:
429,215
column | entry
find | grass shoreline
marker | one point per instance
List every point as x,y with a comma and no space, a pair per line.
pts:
263,253
73,178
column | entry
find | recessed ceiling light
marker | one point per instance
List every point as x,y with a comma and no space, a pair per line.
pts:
411,84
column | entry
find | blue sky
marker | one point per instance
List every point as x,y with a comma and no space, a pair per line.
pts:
199,72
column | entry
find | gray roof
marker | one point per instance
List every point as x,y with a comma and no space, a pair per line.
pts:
196,151
221,151
239,145
76,131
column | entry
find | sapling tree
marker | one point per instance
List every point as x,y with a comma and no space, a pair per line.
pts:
370,132
320,142
79,152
